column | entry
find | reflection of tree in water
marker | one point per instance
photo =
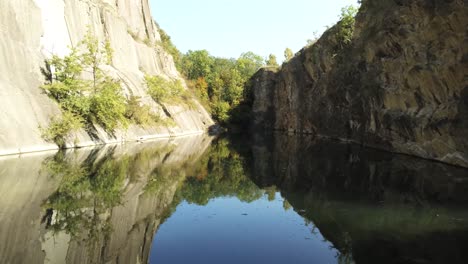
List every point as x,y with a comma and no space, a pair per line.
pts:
89,189
85,194
221,172
109,202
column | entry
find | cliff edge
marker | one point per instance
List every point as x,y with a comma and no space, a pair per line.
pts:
399,85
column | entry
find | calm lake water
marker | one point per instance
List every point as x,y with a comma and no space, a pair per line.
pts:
265,199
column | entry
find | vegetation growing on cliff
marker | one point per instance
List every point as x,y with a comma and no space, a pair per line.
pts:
165,91
272,61
288,54
168,46
97,99
346,24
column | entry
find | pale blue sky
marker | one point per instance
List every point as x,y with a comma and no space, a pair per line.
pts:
226,28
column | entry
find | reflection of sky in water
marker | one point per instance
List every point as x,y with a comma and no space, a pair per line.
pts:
227,230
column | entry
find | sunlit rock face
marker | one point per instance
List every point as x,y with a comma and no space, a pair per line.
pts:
34,30
91,206
400,85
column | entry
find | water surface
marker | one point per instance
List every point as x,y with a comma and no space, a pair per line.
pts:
266,199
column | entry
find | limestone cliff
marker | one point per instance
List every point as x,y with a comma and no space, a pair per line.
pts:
400,85
33,30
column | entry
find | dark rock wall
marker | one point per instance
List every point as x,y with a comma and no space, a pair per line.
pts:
401,85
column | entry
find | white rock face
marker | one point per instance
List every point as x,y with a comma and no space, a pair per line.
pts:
33,30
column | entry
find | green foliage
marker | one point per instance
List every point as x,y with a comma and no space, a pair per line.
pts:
346,24
68,68
220,82
196,64
86,101
201,88
169,47
138,113
157,88
248,64
108,106
94,55
220,110
59,128
288,54
271,61
147,42
166,91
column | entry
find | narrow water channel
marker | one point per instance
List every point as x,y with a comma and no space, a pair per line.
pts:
266,199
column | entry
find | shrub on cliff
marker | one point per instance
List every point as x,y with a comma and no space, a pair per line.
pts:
169,47
139,113
108,105
346,24
271,61
60,127
166,91
98,99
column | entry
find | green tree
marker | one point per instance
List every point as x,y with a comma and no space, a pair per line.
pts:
196,64
271,61
108,105
95,55
346,24
249,63
166,91
288,54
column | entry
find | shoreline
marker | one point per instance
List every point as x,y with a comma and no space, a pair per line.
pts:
27,151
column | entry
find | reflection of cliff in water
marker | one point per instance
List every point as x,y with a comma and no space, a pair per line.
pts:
105,205
373,206
95,206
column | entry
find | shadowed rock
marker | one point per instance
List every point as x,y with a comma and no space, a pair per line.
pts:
399,86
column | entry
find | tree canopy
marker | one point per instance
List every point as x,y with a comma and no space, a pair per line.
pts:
288,54
271,61
219,82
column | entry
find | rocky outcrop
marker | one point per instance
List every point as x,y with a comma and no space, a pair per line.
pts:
33,30
400,85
